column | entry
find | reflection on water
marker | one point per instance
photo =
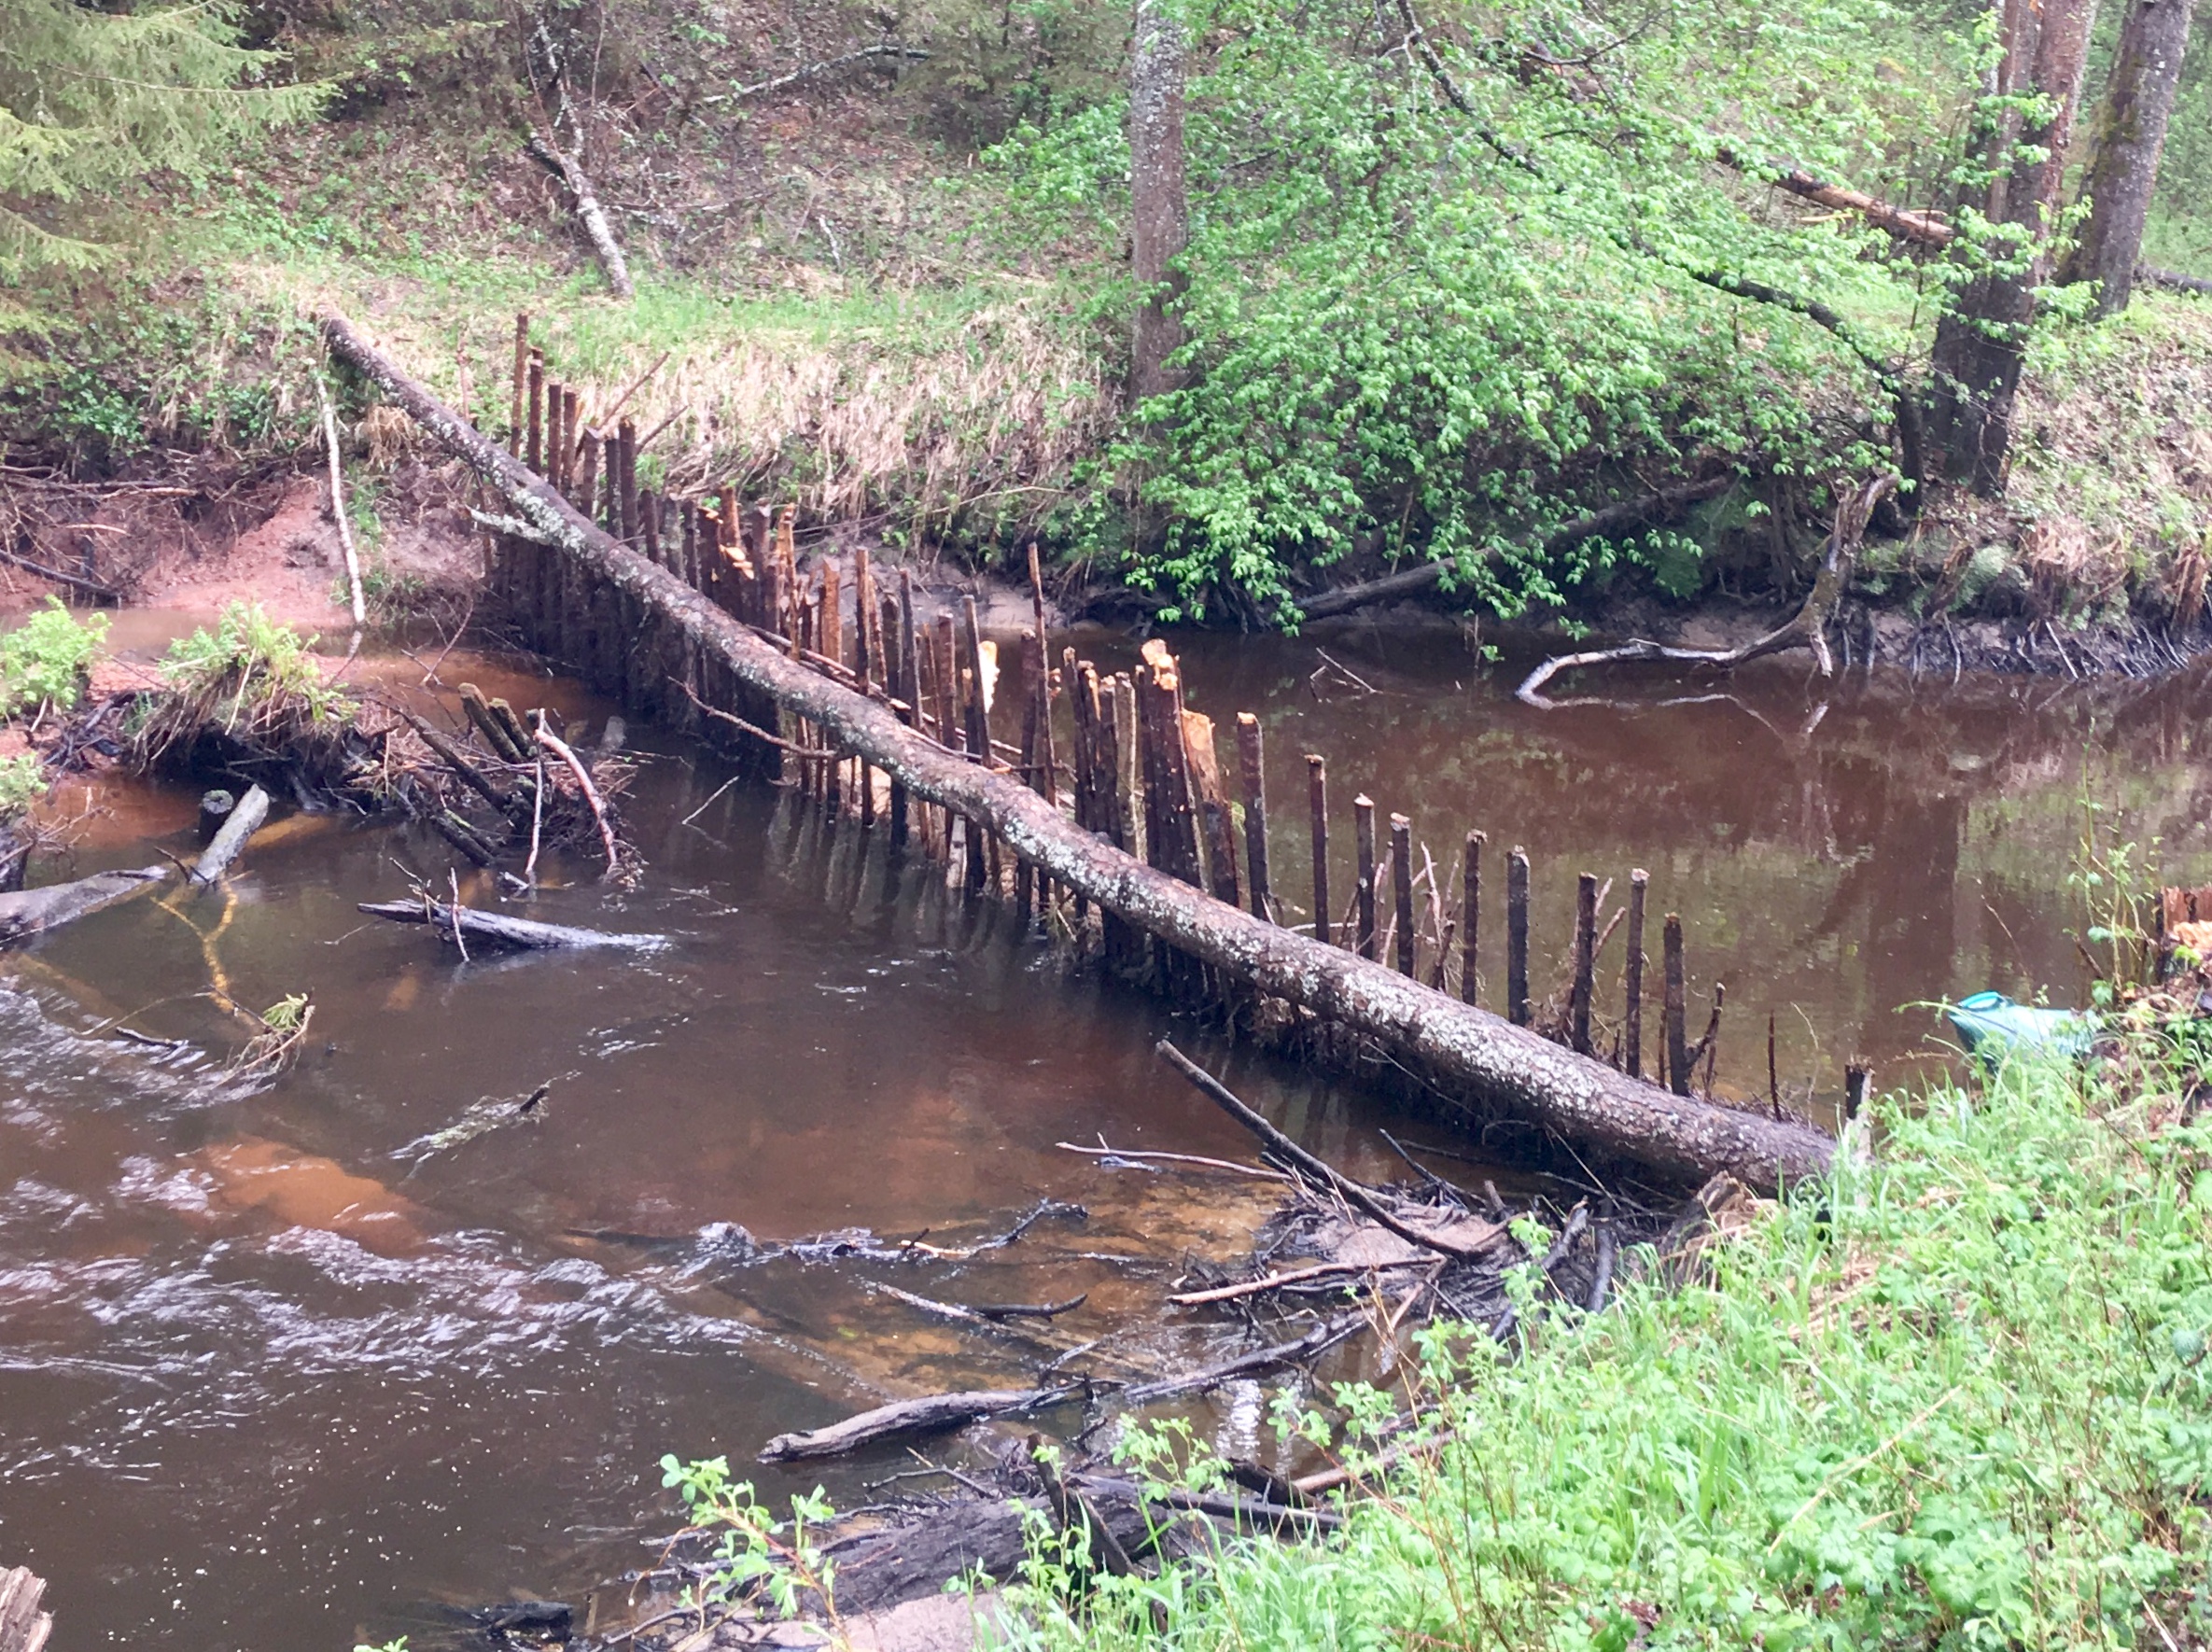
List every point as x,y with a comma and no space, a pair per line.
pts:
269,1382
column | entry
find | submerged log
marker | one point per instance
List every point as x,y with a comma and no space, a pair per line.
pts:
23,1627
447,918
931,1414
247,816
1488,1066
32,912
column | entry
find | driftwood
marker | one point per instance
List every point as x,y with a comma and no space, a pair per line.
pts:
1469,1055
346,528
930,1414
23,1627
32,912
1317,1172
589,213
1318,1340
247,816
1614,519
1807,628
447,918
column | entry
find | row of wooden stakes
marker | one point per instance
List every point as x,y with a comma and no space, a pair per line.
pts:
1142,770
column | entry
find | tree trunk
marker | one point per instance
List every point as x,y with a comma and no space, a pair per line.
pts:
1159,227
2125,142
1483,1066
1981,338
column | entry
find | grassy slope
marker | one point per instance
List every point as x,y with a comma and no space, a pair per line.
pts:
916,375
1958,1399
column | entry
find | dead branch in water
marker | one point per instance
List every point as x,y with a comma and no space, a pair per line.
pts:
451,918
1807,628
1315,1171
33,912
346,528
247,816
930,1414
560,749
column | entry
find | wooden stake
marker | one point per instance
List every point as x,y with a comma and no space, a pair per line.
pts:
1250,760
535,455
1633,1038
1317,799
1213,806
1470,915
554,410
1773,1076
830,645
979,728
625,440
521,369
649,514
571,436
950,733
1678,1009
1585,958
1043,756
1401,879
587,471
1517,936
1363,837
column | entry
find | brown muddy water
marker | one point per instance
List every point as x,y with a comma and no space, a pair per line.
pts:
271,1379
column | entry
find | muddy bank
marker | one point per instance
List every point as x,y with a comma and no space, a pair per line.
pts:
195,531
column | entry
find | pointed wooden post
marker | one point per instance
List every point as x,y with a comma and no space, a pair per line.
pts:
1632,1055
1316,795
1470,915
1586,939
533,454
1362,841
521,380
1517,936
1250,756
1678,1009
1401,883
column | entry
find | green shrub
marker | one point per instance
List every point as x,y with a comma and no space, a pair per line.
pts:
43,661
250,661
23,783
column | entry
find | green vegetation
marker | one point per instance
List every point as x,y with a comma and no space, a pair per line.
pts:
43,661
93,98
247,663
1432,308
1958,1398
23,783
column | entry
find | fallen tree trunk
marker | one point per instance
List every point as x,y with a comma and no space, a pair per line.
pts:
1487,1064
1613,519
589,213
445,918
931,1414
33,912
247,816
1807,628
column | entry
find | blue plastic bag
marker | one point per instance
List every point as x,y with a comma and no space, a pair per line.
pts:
1992,1026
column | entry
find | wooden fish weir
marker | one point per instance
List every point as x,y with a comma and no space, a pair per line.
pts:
698,610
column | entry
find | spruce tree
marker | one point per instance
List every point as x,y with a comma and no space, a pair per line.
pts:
91,99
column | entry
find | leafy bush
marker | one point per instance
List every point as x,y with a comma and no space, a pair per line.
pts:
1956,1398
23,783
43,661
1437,330
248,662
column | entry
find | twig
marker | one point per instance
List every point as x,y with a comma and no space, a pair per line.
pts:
345,530
888,49
559,748
1312,1169
1258,1171
1274,1281
757,733
536,825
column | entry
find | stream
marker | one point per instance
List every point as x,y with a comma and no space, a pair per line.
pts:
276,1376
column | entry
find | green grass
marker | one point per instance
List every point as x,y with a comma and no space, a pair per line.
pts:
1958,1398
